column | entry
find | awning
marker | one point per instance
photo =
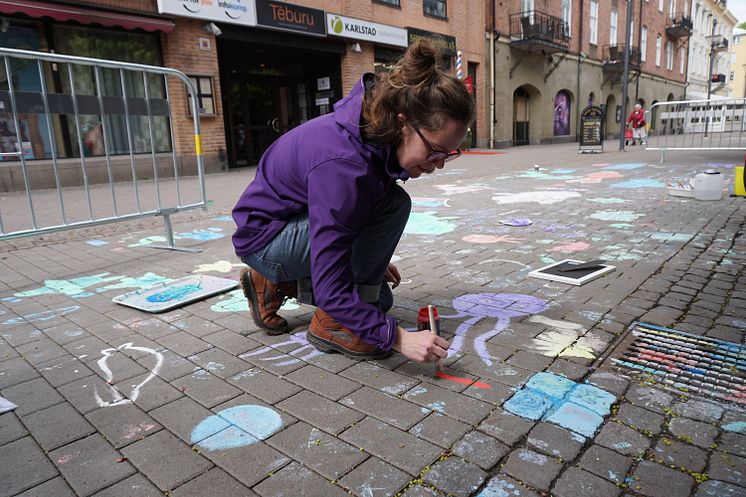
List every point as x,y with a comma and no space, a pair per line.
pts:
85,15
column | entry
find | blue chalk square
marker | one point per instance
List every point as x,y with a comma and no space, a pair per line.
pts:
551,384
528,404
593,398
576,418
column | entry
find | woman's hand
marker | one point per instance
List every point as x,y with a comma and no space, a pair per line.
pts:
421,346
392,276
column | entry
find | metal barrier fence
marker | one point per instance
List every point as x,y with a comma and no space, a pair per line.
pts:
95,131
697,125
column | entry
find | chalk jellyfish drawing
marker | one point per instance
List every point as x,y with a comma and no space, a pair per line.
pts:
502,306
117,398
303,353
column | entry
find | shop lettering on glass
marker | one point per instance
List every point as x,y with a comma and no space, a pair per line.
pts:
280,15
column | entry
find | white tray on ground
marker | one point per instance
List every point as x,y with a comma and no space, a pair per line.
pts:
580,277
165,296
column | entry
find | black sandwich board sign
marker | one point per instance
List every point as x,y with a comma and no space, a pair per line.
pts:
591,126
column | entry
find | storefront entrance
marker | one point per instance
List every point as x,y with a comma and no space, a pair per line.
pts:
259,111
268,90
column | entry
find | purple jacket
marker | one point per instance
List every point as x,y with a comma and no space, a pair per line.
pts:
324,167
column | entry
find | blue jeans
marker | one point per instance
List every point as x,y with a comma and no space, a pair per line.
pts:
287,257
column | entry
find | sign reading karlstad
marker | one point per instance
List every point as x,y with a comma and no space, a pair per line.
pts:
230,11
356,29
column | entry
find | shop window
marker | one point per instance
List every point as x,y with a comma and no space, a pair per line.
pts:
385,58
388,2
205,95
435,8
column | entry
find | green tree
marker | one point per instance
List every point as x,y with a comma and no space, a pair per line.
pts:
742,25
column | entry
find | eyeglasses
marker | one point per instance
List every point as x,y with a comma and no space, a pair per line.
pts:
438,155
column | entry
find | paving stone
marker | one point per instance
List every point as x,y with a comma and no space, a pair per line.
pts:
449,403
32,396
317,450
700,434
386,408
165,460
134,486
303,481
16,371
320,412
480,449
322,382
506,374
728,468
578,483
64,370
379,378
679,454
264,385
123,425
555,441
567,369
181,416
733,443
401,449
41,351
420,491
606,463
654,480
652,399
440,430
184,344
622,439
639,418
249,464
503,485
214,481
533,468
527,360
152,392
455,477
90,465
57,425
714,488
82,393
375,478
10,428
56,487
23,454
219,362
204,387
173,367
505,427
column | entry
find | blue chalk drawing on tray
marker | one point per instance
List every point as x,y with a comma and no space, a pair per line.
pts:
176,293
578,407
236,427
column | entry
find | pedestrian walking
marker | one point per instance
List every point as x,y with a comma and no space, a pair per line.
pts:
325,205
637,120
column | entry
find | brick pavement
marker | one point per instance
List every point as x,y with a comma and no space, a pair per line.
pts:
231,411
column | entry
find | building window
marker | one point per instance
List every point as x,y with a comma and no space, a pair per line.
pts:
672,9
388,2
435,8
658,41
613,28
660,5
527,5
682,53
737,40
594,22
205,96
669,56
643,43
567,16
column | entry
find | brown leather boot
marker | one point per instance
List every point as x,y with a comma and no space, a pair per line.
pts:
328,335
265,299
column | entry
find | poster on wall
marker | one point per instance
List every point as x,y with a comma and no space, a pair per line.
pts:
561,114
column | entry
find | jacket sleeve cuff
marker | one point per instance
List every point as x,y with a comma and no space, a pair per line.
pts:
388,333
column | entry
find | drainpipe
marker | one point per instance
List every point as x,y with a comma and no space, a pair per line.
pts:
581,21
639,42
492,77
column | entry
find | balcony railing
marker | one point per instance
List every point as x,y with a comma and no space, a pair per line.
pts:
534,28
614,56
679,26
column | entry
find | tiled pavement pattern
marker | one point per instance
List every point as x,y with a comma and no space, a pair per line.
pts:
387,427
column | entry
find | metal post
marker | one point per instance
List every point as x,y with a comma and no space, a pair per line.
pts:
709,86
100,95
625,74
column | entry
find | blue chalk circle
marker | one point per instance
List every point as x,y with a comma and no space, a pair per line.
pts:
593,398
575,418
236,427
528,404
550,384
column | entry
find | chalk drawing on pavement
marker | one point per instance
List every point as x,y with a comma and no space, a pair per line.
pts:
41,316
303,352
427,223
236,426
117,399
540,197
236,302
220,266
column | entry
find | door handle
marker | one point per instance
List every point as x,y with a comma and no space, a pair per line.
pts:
275,124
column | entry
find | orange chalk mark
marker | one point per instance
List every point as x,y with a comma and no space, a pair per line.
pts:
463,381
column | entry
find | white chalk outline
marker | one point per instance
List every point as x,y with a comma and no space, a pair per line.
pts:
118,398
